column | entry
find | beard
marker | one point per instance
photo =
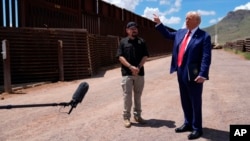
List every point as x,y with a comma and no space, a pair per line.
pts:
134,34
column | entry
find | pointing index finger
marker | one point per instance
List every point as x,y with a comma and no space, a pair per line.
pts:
155,15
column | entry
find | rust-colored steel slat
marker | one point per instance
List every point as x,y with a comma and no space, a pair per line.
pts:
128,16
90,22
34,54
240,45
104,9
110,26
157,45
94,56
107,47
75,53
45,13
89,6
117,13
247,44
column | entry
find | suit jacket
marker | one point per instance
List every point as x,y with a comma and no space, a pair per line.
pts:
198,50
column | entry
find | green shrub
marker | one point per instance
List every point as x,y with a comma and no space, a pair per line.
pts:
246,55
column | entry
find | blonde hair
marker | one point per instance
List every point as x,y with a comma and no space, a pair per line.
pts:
194,14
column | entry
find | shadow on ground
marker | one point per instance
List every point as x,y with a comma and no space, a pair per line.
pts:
215,135
208,133
156,123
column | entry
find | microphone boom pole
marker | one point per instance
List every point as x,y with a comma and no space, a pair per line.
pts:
77,98
34,105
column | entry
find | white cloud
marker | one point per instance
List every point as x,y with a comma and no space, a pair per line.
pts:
174,6
213,21
126,4
171,20
148,13
165,2
178,3
184,25
243,7
206,13
220,18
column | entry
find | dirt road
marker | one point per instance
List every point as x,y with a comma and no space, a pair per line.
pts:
99,116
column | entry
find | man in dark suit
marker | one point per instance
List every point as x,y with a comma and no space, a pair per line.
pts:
195,46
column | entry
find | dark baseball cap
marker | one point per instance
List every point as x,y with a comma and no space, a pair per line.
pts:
132,24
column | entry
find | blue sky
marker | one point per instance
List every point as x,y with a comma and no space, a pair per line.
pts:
172,12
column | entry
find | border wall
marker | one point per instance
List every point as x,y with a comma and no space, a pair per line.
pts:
61,40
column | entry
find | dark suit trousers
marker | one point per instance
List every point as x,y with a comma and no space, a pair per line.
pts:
191,100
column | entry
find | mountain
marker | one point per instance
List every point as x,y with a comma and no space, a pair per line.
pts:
235,26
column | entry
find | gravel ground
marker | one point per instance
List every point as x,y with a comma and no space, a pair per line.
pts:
99,116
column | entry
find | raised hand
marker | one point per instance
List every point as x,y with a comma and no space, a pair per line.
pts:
156,19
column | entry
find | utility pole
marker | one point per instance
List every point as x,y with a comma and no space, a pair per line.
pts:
6,66
216,34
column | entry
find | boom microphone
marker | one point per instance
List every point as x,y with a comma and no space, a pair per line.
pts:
77,98
79,95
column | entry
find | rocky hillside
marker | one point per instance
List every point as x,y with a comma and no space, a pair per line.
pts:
234,26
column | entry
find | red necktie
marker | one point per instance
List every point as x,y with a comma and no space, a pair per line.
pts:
182,49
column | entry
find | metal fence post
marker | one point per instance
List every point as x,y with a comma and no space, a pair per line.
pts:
6,66
60,60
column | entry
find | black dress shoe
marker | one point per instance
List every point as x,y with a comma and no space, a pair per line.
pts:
195,135
183,128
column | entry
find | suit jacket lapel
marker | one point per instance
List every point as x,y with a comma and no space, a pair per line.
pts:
193,38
